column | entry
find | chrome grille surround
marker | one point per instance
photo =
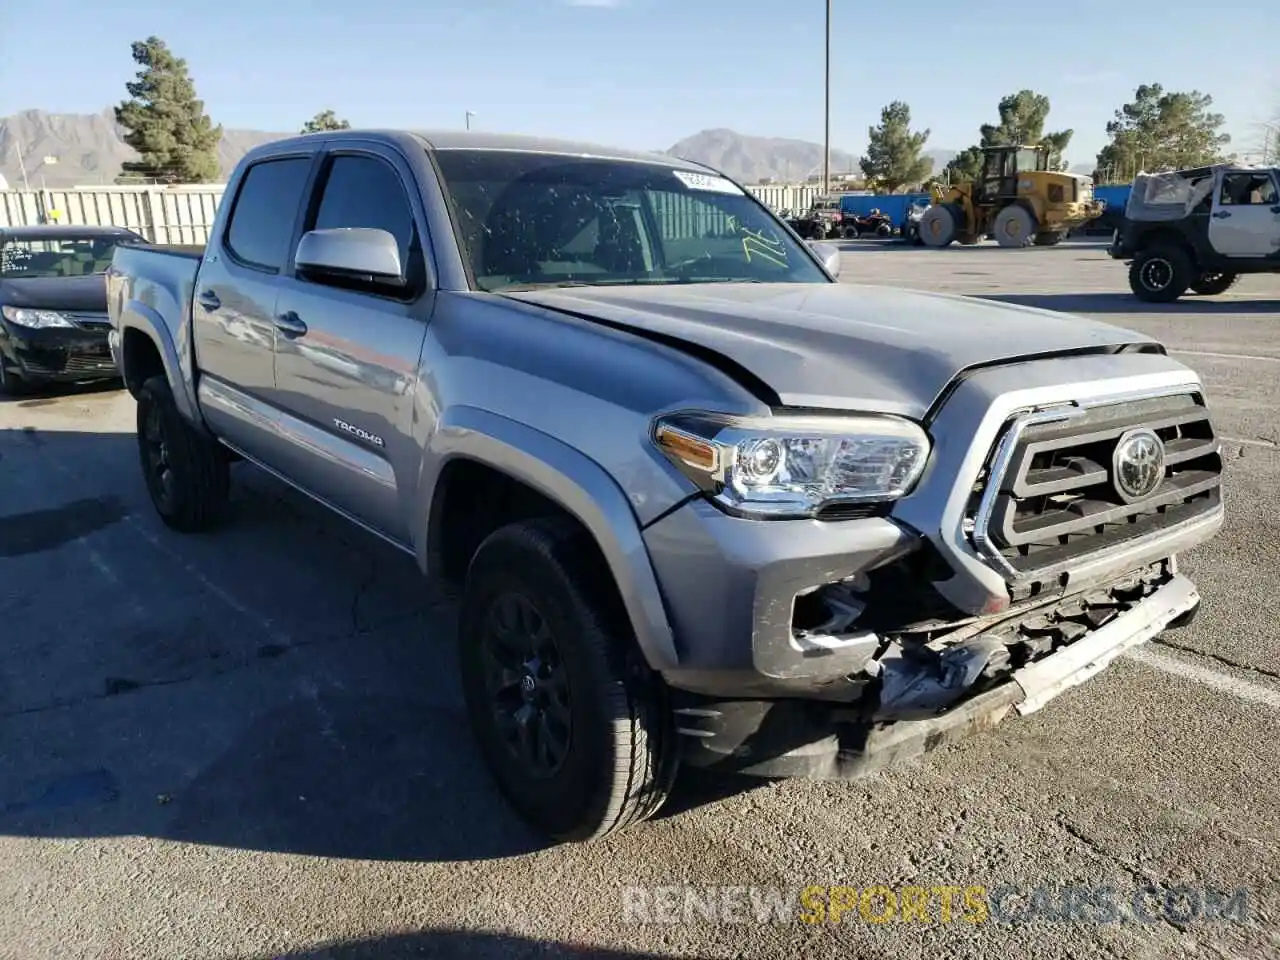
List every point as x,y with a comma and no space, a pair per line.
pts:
1049,502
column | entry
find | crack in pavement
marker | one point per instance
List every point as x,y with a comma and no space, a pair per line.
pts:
1134,871
1225,661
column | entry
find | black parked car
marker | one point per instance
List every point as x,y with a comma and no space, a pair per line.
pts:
53,304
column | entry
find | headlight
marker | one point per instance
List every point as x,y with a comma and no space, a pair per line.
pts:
788,467
37,319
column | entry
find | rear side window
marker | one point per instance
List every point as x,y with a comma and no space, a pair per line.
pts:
264,212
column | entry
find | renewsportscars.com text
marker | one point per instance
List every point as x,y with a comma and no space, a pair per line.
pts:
941,904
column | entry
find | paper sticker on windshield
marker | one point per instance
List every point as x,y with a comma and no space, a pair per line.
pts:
703,181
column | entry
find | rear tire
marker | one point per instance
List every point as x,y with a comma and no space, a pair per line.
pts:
1160,274
851,232
1014,226
1212,284
939,226
187,473
574,728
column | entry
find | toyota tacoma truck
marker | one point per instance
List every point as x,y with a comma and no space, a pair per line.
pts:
704,504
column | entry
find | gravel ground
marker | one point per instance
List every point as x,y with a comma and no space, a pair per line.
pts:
251,744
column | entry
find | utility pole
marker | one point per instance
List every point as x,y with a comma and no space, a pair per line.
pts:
826,136
469,116
17,148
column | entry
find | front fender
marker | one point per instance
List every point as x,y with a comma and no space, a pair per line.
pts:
147,320
572,480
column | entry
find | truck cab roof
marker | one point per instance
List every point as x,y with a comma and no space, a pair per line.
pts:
478,140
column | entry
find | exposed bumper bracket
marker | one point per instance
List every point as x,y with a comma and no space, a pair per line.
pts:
1045,679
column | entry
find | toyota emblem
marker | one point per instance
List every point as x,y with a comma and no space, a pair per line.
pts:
1138,464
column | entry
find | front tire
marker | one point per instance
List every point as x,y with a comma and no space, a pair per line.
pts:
1014,226
1160,274
573,726
1212,284
939,226
187,473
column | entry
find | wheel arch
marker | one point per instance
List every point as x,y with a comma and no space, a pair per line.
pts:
1167,237
567,479
143,338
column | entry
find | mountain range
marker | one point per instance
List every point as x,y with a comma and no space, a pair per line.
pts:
89,150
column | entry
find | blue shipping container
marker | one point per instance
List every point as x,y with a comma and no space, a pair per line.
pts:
895,205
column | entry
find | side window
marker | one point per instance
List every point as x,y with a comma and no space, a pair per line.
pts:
1240,189
266,206
366,192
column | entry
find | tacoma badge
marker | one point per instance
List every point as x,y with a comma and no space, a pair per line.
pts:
364,435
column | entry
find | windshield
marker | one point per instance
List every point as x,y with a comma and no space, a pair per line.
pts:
531,219
57,257
1031,159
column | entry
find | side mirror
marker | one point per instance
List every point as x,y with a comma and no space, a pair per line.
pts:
829,253
351,253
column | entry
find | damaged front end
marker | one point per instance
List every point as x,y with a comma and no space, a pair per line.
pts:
927,677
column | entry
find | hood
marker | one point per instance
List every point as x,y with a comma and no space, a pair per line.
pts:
73,294
841,346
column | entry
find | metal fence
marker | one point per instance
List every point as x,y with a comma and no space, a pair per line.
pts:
184,215
784,196
181,215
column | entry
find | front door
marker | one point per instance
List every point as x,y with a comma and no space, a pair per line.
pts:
1246,215
347,356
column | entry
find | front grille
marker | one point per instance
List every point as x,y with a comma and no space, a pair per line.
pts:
89,363
51,362
1057,489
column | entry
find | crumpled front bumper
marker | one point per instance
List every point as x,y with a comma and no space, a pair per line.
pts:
790,738
60,354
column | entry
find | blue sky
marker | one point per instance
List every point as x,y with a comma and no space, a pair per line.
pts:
644,73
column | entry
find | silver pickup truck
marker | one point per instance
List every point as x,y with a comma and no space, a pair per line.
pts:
705,505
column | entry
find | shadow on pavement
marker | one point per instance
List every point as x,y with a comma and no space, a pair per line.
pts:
286,683
43,394
1128,303
457,943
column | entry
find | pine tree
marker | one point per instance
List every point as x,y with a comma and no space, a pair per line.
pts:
1161,130
893,158
1022,119
325,120
165,122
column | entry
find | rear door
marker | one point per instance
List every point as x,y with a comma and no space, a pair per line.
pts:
234,302
345,384
1246,215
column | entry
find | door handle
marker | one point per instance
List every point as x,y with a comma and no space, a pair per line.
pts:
1222,214
209,300
290,324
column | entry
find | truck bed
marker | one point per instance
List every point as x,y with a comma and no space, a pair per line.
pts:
161,276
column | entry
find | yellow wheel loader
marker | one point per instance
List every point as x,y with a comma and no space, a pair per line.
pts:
1017,199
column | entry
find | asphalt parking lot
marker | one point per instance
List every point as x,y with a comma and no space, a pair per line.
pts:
251,744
